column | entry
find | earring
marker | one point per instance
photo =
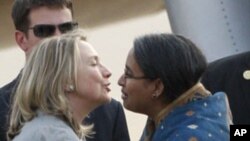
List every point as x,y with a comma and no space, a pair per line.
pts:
154,96
70,88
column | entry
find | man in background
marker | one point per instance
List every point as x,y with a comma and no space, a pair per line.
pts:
232,75
35,20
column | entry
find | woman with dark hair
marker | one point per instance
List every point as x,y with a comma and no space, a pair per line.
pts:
162,80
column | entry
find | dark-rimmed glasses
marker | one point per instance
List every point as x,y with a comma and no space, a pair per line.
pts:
46,30
128,75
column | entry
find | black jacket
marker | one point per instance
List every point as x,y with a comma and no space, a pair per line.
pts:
226,75
109,120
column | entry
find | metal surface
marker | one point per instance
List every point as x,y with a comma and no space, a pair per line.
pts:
219,27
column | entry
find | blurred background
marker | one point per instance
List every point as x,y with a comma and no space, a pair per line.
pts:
111,26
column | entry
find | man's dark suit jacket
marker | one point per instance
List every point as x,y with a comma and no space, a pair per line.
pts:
109,120
226,75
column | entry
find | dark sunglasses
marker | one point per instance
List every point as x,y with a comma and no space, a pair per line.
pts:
46,30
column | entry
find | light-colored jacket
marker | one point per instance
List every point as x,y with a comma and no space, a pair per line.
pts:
46,128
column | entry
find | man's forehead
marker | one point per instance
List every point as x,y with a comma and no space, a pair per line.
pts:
46,15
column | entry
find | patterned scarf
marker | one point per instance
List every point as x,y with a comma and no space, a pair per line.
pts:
196,92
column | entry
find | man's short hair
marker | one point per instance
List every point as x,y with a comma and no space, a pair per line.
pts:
21,10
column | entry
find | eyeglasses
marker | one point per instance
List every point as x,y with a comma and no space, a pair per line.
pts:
134,77
128,75
46,30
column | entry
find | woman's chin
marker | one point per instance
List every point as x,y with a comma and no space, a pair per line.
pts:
106,100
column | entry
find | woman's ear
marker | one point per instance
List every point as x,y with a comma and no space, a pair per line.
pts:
159,88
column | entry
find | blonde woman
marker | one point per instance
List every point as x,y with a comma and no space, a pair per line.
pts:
62,81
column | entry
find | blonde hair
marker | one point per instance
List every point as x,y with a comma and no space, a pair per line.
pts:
51,65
